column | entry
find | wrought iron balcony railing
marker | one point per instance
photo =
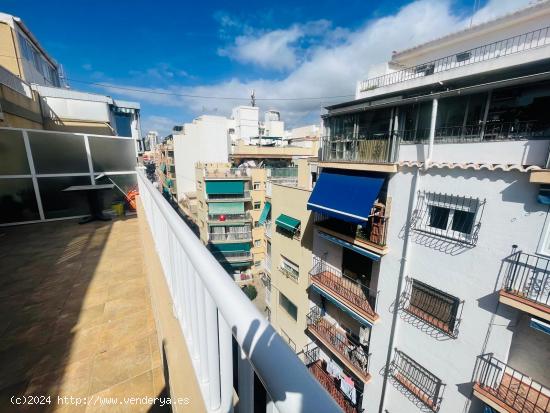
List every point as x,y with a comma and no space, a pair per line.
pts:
373,232
499,382
317,368
512,45
528,278
228,197
356,295
349,351
232,256
232,173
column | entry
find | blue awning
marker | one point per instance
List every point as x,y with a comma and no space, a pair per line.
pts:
355,248
341,306
345,195
265,213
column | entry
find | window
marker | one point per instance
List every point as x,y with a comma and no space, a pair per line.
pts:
288,306
433,306
257,243
256,186
449,216
462,57
416,380
257,264
257,205
289,269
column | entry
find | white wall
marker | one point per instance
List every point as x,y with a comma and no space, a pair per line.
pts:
246,122
74,109
511,216
203,140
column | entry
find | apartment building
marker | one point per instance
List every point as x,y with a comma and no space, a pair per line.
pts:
166,168
428,289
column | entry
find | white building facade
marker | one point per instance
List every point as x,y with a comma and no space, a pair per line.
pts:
429,287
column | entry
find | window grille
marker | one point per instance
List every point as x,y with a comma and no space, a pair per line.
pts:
417,380
432,306
452,217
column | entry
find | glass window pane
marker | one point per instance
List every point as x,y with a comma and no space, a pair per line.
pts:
55,153
113,154
59,204
463,221
13,157
439,217
17,200
125,182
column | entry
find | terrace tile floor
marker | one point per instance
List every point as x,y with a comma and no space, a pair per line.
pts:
76,317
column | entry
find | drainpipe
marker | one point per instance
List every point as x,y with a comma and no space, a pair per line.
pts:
402,272
432,134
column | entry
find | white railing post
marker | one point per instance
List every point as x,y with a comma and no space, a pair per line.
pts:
212,340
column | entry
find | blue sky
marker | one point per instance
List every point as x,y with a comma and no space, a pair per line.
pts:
284,49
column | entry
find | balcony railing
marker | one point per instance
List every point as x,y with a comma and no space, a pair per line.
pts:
211,309
230,217
373,232
228,197
512,45
352,292
374,148
230,236
349,351
268,228
226,173
233,256
492,131
317,368
500,383
528,278
289,272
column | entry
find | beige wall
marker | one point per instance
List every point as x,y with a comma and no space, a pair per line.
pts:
8,49
19,110
291,201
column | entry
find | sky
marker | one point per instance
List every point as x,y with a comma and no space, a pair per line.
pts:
181,59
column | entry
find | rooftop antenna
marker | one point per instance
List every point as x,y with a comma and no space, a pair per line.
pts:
253,98
474,11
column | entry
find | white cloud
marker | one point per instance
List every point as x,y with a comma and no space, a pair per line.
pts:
161,124
329,68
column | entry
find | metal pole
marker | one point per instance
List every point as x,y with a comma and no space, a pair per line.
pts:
432,133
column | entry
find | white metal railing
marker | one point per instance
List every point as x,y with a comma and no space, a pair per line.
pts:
211,308
512,45
230,236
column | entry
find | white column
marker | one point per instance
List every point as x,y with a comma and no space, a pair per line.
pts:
432,132
246,384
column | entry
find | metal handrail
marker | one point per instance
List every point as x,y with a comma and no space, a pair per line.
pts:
510,386
211,308
528,277
230,217
512,45
230,236
353,291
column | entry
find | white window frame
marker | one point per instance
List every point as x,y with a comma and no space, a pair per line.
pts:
289,268
256,186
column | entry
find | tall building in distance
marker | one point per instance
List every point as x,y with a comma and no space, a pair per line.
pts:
424,231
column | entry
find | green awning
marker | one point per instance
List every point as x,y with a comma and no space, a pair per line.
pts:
265,213
224,187
287,223
233,247
226,208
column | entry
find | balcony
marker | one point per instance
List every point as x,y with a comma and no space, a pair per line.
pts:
268,229
507,390
371,236
352,293
441,69
233,256
229,218
318,369
81,322
377,148
347,350
230,236
527,284
245,196
225,174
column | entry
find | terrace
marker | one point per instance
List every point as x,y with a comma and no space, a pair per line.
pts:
506,389
527,284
